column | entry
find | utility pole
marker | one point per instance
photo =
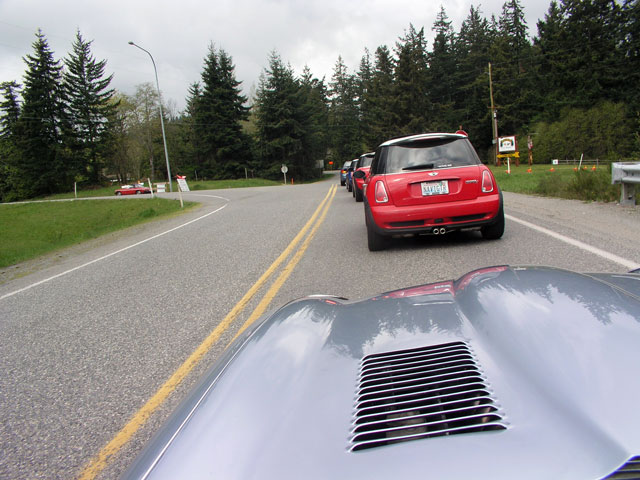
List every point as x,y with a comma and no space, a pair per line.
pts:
494,118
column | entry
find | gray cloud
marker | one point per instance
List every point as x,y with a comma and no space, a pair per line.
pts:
177,34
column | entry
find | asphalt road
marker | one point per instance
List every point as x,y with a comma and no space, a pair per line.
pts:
89,335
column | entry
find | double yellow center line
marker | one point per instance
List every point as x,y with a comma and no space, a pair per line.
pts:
100,461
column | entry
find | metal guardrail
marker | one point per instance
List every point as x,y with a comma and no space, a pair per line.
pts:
627,174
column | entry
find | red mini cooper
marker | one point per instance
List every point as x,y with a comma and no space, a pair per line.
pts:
364,164
430,184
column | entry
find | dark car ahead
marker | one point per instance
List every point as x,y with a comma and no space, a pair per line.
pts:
350,170
343,173
507,373
430,184
364,164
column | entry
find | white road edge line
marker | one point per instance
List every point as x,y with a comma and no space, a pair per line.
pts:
205,195
577,243
109,254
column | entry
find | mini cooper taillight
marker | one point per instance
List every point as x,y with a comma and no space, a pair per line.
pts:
381,192
487,182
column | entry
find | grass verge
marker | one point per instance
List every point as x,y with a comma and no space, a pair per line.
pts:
32,229
563,181
193,185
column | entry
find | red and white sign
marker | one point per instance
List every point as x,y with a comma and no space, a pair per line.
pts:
182,183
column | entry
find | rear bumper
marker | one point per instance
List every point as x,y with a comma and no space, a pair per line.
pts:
392,220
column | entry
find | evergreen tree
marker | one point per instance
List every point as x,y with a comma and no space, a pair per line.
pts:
583,52
314,119
442,75
344,120
363,80
513,73
380,116
9,116
279,131
550,53
412,98
630,47
89,107
472,96
191,149
43,167
10,108
219,109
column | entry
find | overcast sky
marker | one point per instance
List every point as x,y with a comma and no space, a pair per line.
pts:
177,33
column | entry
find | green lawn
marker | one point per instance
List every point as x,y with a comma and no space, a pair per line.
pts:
32,229
563,181
193,185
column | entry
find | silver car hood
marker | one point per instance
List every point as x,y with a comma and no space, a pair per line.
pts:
557,353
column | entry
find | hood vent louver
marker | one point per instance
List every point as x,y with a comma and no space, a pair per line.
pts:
421,393
629,471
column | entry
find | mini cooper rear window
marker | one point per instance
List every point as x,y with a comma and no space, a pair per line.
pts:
365,162
430,154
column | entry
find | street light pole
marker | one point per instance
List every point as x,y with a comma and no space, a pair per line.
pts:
164,137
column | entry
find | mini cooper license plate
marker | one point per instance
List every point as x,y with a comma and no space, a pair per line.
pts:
435,188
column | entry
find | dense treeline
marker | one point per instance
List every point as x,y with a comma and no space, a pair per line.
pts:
572,87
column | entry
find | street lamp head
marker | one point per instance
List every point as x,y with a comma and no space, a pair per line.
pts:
131,43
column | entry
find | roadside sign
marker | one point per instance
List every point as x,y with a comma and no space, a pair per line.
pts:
284,169
182,183
507,144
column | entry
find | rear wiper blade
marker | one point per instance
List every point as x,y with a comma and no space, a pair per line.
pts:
422,166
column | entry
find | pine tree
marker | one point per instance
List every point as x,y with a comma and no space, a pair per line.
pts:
191,145
411,82
631,51
43,166
362,86
9,116
219,109
442,75
344,119
89,107
472,97
313,116
10,108
550,56
513,73
380,116
279,131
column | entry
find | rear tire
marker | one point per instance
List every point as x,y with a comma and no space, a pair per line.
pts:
118,194
375,241
358,195
496,229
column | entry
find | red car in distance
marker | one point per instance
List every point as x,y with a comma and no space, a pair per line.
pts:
430,184
364,164
136,189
